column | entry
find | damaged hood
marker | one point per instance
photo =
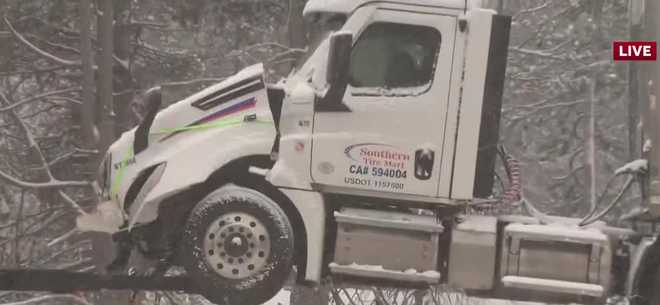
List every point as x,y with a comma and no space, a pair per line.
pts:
192,137
236,97
241,97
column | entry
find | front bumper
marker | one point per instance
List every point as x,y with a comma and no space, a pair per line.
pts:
107,218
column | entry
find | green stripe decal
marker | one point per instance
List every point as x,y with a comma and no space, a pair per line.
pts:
120,173
215,124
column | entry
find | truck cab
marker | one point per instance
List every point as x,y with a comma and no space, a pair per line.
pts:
357,166
389,125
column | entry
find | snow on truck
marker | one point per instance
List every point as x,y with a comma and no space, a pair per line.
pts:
358,166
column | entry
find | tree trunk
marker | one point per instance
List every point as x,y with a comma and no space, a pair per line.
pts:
123,83
102,245
591,157
105,86
296,26
651,120
88,122
590,148
634,84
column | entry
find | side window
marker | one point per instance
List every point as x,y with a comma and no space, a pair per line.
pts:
390,55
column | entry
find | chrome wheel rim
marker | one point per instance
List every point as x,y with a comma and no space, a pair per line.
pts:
236,245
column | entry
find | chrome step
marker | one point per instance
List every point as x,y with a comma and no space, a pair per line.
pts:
370,271
555,286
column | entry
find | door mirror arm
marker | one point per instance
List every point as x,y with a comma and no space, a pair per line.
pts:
153,100
337,74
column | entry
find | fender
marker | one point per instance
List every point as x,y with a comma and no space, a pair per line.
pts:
644,263
312,208
194,159
191,138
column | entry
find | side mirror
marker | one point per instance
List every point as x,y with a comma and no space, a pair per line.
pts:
337,69
152,100
339,58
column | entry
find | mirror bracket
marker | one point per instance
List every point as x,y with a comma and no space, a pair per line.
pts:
153,100
339,57
331,102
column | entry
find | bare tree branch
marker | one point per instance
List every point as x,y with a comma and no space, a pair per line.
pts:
34,71
533,9
35,98
50,298
43,185
66,99
194,81
537,53
39,51
72,202
51,256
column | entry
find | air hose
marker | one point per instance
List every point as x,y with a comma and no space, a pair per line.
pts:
514,193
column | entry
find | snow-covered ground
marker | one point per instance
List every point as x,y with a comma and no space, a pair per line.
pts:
284,298
281,298
506,302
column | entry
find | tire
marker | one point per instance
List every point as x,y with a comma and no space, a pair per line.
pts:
237,246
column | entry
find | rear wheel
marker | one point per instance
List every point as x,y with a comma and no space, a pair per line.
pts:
238,246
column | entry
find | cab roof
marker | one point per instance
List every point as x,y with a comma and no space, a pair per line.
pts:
346,7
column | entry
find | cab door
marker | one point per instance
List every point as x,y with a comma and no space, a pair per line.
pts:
390,135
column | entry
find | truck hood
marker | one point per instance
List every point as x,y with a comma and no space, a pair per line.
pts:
242,96
220,122
236,96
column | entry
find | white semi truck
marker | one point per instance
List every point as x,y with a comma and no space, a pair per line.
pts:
358,166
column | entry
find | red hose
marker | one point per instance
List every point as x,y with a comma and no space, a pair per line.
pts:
512,194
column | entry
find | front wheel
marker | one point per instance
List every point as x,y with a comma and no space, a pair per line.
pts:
237,246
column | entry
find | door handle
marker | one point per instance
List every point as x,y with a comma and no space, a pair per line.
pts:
424,159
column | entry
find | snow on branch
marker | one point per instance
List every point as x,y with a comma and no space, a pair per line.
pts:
71,202
29,137
53,256
279,56
537,53
122,63
50,298
533,9
66,99
36,49
52,181
286,49
638,166
148,23
272,44
193,81
36,97
42,185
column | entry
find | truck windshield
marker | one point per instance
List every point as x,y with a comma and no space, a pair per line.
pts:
318,28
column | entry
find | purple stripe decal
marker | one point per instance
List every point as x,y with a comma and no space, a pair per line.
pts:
244,105
247,104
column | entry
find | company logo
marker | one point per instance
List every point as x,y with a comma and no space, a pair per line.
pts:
376,154
634,50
